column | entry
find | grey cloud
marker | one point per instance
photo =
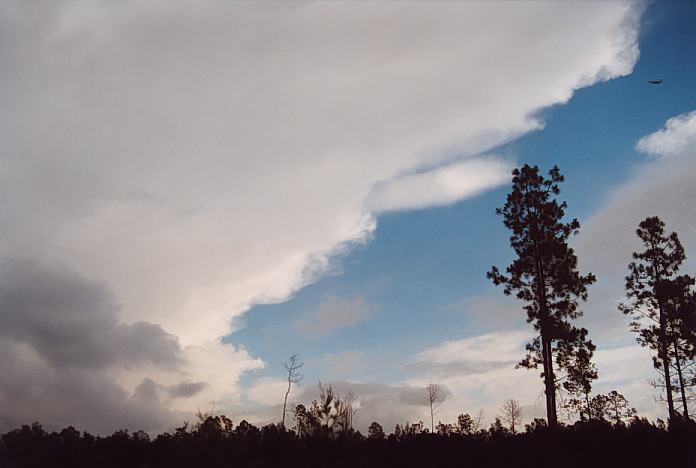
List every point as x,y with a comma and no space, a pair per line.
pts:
490,312
71,321
147,391
61,342
334,313
33,390
185,389
458,368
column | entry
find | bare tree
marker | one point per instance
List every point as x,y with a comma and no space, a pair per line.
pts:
477,422
512,413
292,366
435,399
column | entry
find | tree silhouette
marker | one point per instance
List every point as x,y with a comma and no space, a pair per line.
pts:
375,431
292,366
466,425
611,407
680,302
435,399
649,281
544,275
512,414
329,416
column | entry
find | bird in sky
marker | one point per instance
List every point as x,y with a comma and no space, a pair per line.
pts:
655,81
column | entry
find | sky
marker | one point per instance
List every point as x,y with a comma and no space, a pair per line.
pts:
190,193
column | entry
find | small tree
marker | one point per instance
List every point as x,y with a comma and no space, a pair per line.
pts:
330,415
465,424
292,366
435,399
512,414
544,275
611,407
444,429
375,431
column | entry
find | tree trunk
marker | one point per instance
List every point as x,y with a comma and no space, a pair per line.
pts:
549,382
432,419
589,410
285,402
668,381
681,381
664,355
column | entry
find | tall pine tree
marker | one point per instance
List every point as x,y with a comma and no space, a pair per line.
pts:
544,275
649,283
680,302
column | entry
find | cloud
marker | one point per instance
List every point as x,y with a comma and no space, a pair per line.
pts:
71,321
440,186
198,160
347,363
185,389
678,137
69,359
665,187
488,312
332,314
472,355
480,373
92,399
269,391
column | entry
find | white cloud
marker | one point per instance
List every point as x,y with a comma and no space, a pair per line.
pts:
440,186
629,370
677,138
270,391
332,314
497,347
198,160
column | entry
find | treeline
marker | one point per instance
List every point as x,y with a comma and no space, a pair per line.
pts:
217,442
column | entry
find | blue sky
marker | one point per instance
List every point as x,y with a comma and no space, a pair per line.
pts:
420,265
191,193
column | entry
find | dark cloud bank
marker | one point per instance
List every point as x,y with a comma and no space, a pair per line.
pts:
63,346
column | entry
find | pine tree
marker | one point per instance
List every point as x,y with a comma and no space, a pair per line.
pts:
680,302
544,275
648,287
